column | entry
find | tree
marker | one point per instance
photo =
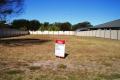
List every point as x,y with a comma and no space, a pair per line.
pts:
57,24
10,8
21,24
65,26
53,27
82,25
2,24
34,25
46,25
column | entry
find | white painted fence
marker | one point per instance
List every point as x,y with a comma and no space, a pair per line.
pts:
53,32
111,34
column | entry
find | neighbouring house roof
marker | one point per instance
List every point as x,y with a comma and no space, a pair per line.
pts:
115,25
111,24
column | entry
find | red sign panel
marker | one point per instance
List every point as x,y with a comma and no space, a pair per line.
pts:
60,41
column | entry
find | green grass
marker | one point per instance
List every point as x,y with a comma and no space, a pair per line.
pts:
32,58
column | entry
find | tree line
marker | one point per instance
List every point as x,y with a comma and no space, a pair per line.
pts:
33,25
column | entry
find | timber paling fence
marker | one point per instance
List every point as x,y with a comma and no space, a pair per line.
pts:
110,34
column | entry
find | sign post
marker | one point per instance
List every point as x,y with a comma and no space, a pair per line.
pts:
60,48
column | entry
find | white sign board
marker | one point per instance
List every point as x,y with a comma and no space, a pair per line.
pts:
60,48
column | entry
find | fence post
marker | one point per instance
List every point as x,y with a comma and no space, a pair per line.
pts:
117,34
95,33
104,33
110,33
92,33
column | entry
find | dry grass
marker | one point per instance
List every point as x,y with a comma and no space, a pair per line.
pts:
32,58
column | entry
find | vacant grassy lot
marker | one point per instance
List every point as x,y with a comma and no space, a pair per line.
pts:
32,58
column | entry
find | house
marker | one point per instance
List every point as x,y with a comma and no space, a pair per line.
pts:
113,25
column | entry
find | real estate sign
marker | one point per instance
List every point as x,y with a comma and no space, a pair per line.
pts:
60,48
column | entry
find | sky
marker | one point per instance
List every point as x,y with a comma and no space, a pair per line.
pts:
73,11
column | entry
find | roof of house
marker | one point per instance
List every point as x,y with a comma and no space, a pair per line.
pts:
111,24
